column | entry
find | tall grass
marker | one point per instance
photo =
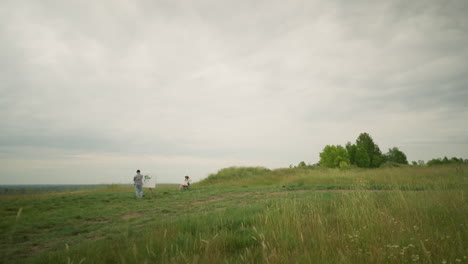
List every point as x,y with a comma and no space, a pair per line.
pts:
236,175
363,227
438,177
347,227
401,215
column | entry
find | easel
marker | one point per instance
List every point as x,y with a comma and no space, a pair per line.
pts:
147,177
151,191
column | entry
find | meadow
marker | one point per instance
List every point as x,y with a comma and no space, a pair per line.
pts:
250,215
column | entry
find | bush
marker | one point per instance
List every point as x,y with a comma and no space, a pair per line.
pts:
344,165
390,164
445,160
332,156
394,155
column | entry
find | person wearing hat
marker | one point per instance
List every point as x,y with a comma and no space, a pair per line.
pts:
138,181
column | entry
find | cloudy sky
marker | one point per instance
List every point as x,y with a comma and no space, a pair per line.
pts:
92,91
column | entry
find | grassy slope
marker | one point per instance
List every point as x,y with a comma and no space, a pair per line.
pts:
387,178
250,215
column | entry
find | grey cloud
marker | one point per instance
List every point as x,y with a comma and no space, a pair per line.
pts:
262,80
448,139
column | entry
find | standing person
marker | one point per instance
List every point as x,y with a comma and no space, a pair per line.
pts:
138,181
186,183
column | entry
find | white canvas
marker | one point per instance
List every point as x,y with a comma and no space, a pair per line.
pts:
149,181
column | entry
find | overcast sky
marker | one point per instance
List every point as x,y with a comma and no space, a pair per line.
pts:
92,91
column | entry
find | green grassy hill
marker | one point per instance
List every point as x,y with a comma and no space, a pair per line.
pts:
250,215
407,177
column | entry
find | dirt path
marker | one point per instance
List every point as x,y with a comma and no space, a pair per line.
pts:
220,198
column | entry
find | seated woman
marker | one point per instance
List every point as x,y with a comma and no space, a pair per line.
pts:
186,183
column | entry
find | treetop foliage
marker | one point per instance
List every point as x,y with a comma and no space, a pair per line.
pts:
365,153
334,156
396,156
445,160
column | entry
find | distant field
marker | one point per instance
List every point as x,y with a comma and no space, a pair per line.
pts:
249,215
35,189
55,188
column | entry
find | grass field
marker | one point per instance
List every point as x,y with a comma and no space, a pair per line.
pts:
250,215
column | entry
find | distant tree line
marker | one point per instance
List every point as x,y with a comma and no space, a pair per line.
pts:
303,165
365,153
445,160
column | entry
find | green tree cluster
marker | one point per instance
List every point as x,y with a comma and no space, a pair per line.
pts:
364,153
394,155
